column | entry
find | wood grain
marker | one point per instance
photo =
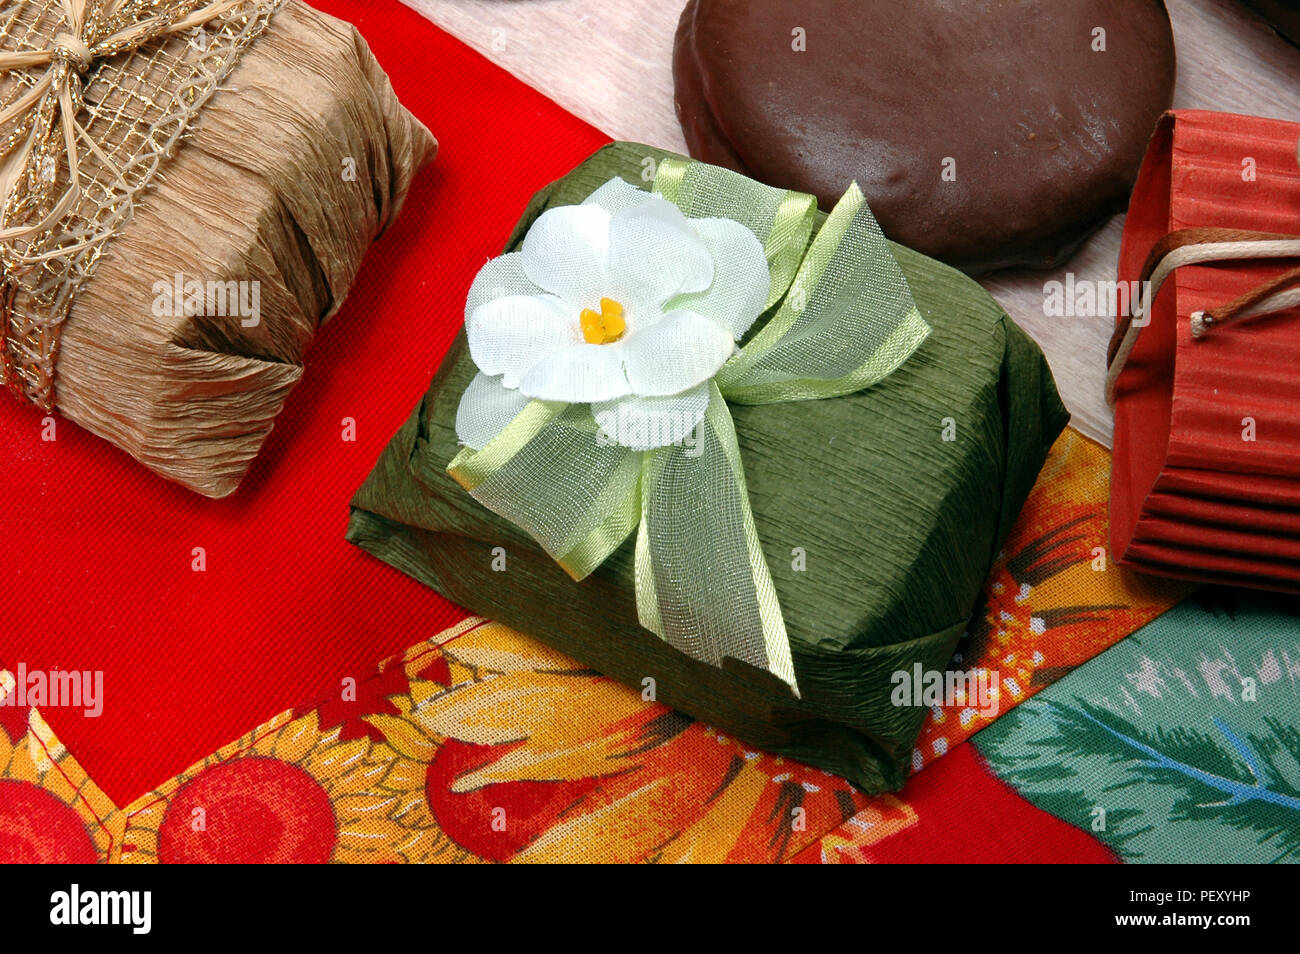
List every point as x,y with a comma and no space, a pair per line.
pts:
610,62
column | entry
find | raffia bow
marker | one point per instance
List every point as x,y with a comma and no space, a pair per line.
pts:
42,123
94,96
843,319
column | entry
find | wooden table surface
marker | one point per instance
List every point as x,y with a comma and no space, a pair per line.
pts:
609,62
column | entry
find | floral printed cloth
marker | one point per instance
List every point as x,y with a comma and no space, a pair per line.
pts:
481,744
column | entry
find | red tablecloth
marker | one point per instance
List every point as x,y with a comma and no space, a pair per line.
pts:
96,553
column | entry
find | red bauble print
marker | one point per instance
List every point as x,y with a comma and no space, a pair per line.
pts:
529,807
254,811
37,828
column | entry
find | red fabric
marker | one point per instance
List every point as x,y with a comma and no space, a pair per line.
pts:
1190,496
96,552
967,815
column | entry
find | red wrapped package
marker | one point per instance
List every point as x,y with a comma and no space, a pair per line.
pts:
1205,376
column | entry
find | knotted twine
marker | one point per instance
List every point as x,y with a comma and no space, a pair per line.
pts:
1198,246
94,95
844,319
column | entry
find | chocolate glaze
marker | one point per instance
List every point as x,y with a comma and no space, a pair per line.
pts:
1047,135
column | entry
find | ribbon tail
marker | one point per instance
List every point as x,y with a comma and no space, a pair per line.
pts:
702,582
75,13
548,474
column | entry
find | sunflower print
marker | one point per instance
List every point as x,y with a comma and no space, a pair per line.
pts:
484,745
50,810
295,791
495,748
535,759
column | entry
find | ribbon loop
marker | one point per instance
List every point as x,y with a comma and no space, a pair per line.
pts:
847,321
93,29
782,220
550,474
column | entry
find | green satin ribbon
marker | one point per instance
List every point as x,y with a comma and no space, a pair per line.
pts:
845,320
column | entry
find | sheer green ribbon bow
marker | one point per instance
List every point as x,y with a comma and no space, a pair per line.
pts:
846,320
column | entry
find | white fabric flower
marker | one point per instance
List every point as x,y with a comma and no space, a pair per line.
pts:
622,303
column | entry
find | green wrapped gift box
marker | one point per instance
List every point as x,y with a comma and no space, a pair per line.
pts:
879,513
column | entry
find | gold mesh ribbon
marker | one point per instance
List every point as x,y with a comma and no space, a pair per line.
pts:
94,96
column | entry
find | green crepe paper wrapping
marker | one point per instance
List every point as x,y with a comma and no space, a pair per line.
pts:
899,527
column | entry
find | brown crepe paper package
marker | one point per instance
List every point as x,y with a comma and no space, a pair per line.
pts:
299,160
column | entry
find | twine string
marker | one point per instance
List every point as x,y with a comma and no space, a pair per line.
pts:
1197,247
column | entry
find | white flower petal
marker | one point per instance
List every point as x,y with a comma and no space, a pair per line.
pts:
679,352
566,252
742,279
507,336
500,278
644,423
617,195
485,409
654,254
578,374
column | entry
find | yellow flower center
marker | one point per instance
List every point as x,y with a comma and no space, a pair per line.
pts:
605,326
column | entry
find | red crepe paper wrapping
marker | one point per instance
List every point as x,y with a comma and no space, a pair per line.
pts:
1206,471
